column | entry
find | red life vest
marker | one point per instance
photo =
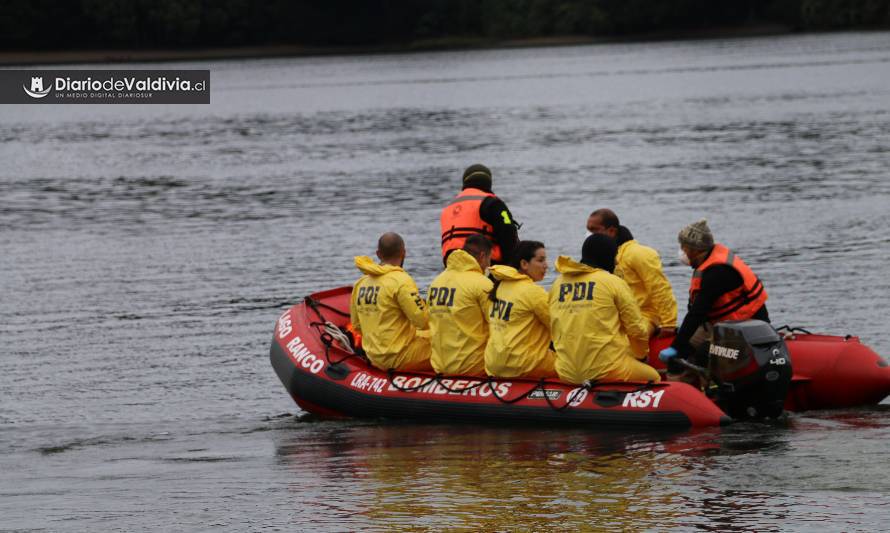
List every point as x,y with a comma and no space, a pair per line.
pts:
461,218
737,304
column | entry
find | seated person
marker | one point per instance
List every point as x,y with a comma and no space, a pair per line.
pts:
598,330
723,287
387,310
519,320
458,304
640,267
478,211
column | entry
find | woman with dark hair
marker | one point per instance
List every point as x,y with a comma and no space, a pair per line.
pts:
519,318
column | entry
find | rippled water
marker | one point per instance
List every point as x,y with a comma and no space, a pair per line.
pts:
147,250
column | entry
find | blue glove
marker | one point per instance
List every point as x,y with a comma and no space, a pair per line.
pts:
667,354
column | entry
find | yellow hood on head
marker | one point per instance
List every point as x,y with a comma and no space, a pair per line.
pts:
462,262
567,265
507,273
367,266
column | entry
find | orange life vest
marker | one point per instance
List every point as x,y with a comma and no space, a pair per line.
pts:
737,304
461,218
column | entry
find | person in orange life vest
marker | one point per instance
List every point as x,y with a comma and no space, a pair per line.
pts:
640,267
387,310
477,210
723,287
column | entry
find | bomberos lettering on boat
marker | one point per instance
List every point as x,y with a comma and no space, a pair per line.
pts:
444,386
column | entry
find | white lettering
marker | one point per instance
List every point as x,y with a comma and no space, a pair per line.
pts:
398,381
284,325
656,398
641,400
723,351
630,399
428,385
577,396
412,382
303,357
369,383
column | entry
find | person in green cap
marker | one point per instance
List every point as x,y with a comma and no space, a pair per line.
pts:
478,211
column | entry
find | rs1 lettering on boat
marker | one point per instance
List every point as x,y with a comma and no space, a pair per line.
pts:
643,399
303,357
284,325
455,387
368,383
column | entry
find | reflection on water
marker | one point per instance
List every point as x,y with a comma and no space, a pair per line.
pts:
469,477
473,477
145,252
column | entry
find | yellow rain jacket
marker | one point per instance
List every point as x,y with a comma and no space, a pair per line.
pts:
640,267
590,309
458,303
388,311
519,328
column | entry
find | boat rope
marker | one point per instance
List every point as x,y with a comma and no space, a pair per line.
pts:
328,341
329,332
520,397
337,334
315,304
570,401
794,329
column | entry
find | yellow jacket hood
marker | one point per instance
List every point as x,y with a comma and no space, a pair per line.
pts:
567,265
368,266
459,307
461,261
507,273
519,328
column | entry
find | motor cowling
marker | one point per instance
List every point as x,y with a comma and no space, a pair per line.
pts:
751,364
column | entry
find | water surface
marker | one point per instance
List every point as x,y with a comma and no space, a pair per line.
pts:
147,250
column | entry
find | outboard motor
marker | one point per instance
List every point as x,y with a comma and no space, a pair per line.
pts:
751,365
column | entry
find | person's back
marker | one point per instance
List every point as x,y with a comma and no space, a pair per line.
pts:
640,267
476,210
387,310
458,304
597,328
519,319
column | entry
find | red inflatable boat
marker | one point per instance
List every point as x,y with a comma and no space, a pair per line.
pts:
323,377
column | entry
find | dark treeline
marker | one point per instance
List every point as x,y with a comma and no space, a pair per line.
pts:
67,24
